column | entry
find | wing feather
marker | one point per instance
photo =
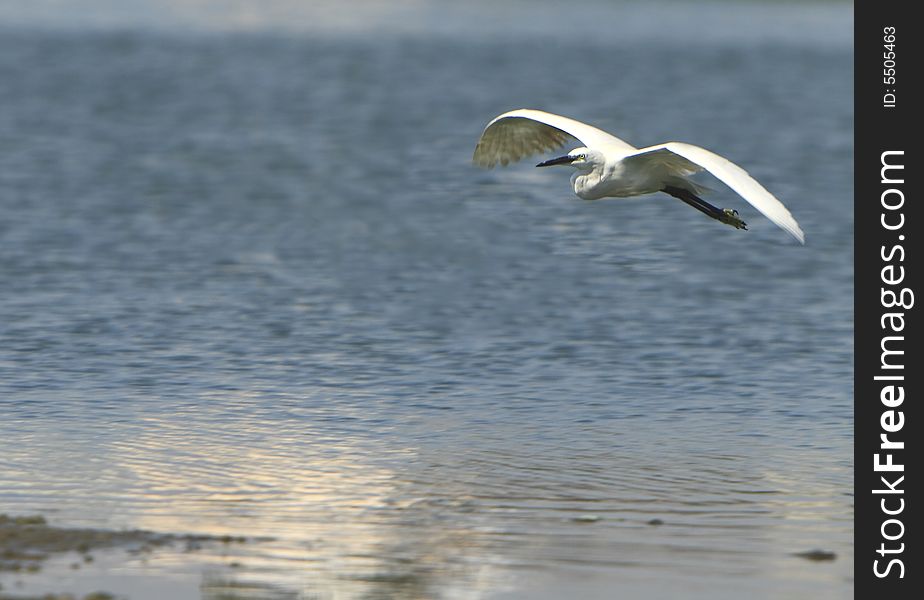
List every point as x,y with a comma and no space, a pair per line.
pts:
524,132
731,175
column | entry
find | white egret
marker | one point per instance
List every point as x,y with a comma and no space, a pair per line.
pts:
606,166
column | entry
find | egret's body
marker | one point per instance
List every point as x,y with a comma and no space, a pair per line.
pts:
608,167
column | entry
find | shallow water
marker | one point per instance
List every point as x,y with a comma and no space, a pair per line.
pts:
252,285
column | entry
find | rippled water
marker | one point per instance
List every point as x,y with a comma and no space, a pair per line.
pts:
251,284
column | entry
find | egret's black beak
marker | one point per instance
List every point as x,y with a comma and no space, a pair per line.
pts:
561,160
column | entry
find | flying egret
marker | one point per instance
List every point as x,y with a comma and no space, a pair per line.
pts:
606,166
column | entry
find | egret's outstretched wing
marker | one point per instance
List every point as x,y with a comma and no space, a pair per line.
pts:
731,175
520,133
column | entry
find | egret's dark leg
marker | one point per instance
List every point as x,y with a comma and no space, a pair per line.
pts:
725,215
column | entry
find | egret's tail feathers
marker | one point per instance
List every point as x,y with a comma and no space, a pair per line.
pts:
687,184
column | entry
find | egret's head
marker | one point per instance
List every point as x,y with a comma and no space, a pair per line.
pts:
579,158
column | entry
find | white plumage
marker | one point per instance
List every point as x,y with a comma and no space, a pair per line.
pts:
606,166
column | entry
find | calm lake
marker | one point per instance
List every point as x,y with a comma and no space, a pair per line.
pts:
251,284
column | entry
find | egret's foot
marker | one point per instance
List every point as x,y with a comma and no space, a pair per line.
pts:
730,217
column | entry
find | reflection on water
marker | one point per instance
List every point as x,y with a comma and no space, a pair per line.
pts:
375,520
255,287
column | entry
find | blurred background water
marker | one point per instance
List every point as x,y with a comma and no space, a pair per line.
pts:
251,284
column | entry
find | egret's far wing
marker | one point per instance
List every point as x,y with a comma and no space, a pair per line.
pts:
520,133
738,180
